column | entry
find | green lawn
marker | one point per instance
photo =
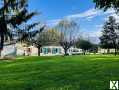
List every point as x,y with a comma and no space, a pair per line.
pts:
59,73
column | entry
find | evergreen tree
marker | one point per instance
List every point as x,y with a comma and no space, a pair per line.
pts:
85,45
12,14
106,4
109,34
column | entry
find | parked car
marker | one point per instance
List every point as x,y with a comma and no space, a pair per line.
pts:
75,51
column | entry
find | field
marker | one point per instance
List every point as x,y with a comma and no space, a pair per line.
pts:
91,72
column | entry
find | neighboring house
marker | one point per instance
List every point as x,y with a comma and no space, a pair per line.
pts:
75,51
9,50
102,51
23,49
20,49
31,51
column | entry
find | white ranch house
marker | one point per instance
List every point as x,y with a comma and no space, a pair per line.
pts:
20,49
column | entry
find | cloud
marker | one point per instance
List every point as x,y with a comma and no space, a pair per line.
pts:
87,15
52,23
99,26
96,33
91,13
93,36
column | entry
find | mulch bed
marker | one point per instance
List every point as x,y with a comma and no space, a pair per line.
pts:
8,58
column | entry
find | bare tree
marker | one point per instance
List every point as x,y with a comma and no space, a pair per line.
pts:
47,37
68,29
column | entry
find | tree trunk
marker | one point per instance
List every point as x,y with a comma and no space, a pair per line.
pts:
115,52
1,43
115,47
39,51
0,53
84,52
3,29
108,51
65,52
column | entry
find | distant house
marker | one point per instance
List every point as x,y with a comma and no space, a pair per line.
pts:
102,51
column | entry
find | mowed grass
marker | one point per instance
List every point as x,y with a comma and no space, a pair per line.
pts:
92,72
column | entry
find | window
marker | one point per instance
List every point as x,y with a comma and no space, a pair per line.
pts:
41,50
45,50
49,50
54,50
59,50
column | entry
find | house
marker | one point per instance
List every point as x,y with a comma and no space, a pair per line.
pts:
51,50
102,51
24,50
9,50
58,50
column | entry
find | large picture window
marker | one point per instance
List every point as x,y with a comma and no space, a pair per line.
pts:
54,50
45,50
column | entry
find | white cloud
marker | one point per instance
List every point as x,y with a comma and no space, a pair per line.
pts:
53,22
91,13
87,15
93,36
99,26
95,33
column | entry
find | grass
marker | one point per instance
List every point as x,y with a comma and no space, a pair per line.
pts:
92,72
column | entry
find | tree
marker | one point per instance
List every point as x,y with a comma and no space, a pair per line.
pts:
109,35
85,45
106,4
48,37
12,14
94,48
67,30
26,34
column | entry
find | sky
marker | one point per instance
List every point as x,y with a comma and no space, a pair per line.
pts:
83,12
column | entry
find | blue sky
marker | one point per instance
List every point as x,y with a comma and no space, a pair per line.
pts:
54,9
82,11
